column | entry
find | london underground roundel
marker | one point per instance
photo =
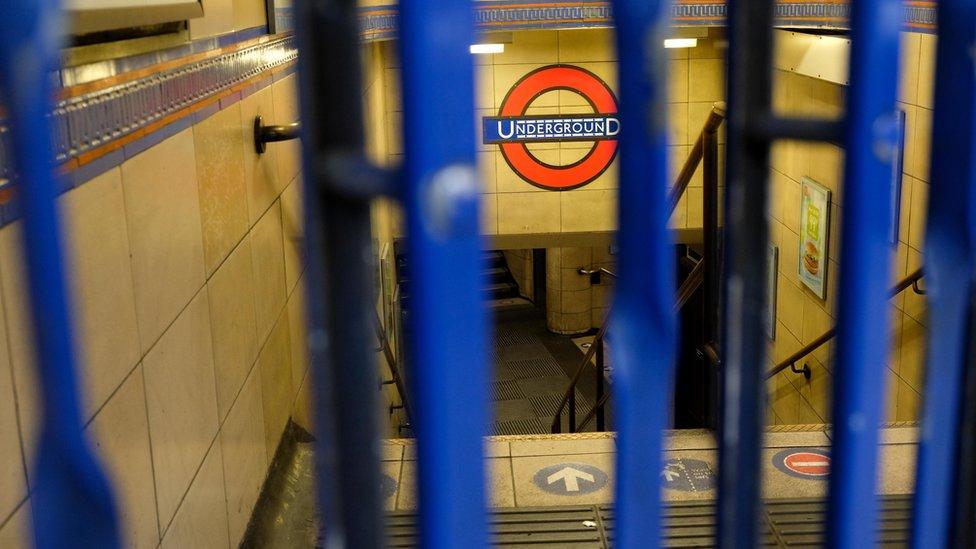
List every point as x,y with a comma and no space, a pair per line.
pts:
513,130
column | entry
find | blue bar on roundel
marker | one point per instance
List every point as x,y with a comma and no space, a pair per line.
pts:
871,139
950,265
449,329
644,327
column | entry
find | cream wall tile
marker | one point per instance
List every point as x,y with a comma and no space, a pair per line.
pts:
267,261
201,520
260,171
298,336
101,277
789,254
791,203
486,169
219,146
713,47
120,436
678,125
479,141
232,318
678,81
245,458
576,46
585,210
274,363
923,143
489,214
909,65
484,87
706,80
249,14
17,532
912,366
218,18
293,232
926,70
182,403
789,305
526,213
918,214
679,215
163,215
905,207
391,88
695,206
285,93
20,337
13,478
539,46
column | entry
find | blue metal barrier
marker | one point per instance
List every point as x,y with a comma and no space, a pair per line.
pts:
950,263
71,501
448,343
859,393
643,316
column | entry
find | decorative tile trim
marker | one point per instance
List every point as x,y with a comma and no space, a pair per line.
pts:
380,22
99,129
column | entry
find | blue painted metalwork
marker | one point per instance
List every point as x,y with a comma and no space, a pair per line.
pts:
871,138
643,314
950,265
448,344
71,500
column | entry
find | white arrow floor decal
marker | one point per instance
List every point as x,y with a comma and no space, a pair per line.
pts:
571,477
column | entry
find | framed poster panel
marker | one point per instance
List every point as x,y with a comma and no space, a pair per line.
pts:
814,229
897,167
772,267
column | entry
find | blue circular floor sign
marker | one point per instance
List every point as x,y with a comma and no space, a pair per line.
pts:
805,463
570,479
688,475
388,486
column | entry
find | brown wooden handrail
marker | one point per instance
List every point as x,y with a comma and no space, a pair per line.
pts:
790,361
392,365
690,285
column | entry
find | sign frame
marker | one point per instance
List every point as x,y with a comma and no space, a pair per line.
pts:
813,262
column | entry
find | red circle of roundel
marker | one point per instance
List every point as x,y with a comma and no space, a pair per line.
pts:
536,83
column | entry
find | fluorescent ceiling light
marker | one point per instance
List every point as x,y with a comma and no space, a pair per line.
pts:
480,49
680,42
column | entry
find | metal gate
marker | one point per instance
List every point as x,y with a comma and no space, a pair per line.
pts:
438,185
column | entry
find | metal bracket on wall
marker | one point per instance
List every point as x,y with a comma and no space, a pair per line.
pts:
271,134
805,370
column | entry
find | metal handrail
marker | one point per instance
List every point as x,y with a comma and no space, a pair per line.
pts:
391,363
911,281
602,270
687,289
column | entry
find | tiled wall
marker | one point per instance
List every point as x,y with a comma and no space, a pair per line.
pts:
187,275
801,316
513,206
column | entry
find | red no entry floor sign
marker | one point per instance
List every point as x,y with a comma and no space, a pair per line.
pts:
807,463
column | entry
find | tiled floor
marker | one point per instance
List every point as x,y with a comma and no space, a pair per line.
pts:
531,371
516,460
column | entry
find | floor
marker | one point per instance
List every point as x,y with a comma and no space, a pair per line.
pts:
553,477
532,369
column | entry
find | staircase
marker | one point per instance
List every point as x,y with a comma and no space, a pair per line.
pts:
498,280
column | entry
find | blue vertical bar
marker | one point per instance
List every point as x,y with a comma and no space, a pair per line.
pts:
449,328
950,264
71,501
644,324
871,137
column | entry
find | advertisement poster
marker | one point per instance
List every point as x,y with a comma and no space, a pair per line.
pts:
814,226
